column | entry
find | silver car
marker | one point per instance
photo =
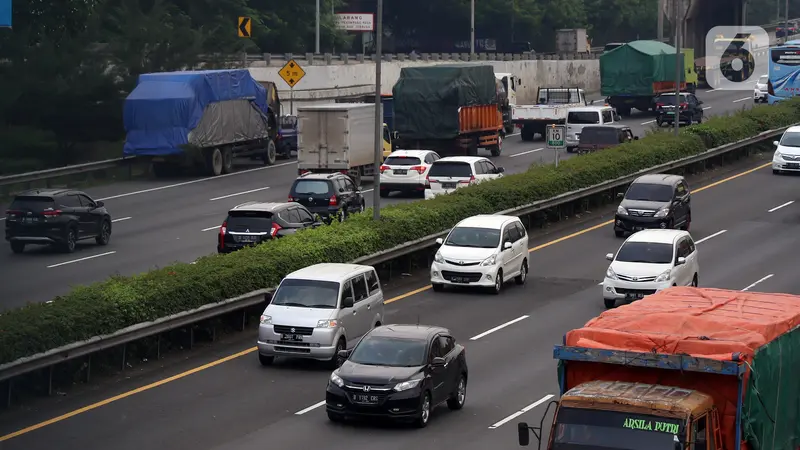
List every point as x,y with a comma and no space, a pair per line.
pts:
318,311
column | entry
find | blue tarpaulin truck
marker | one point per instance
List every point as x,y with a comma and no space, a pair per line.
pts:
201,119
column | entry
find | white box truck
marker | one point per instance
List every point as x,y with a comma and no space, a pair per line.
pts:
339,137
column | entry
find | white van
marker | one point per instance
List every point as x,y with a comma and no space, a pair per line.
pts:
577,118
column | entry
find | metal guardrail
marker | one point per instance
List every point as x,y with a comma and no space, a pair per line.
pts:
64,171
149,329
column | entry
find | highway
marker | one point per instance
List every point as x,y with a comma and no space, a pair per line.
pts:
159,222
744,222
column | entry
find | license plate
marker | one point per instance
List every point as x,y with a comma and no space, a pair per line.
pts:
793,165
638,228
30,220
635,296
400,171
458,280
449,185
365,398
670,113
292,337
248,238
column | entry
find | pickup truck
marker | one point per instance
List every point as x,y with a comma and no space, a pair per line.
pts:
551,108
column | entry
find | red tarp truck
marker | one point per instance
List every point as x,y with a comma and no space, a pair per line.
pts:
683,369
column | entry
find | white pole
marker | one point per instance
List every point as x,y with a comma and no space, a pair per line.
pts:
472,27
376,198
317,33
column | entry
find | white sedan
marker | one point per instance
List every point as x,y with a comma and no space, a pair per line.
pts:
406,171
787,153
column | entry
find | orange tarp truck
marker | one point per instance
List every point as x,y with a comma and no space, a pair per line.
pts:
683,369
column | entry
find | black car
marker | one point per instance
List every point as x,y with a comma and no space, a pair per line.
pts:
597,137
330,195
255,222
58,217
399,372
689,108
654,201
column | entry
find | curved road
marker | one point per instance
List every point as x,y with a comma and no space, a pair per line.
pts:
745,226
160,222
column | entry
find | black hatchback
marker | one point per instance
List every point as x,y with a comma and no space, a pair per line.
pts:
654,201
254,222
330,195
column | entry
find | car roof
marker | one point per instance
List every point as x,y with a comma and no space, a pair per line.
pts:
659,178
466,159
657,236
319,176
336,272
794,129
589,108
486,221
46,192
611,125
261,206
404,331
414,153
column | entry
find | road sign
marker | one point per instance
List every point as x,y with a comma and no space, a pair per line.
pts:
555,136
292,73
244,27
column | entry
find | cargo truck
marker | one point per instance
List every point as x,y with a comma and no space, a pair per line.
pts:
201,119
452,109
683,369
631,75
507,85
551,108
338,137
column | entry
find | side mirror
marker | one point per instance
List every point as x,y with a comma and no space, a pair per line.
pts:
438,362
620,194
501,170
506,245
523,435
395,135
347,302
636,138
681,261
344,354
341,189
439,241
699,102
610,256
776,143
99,204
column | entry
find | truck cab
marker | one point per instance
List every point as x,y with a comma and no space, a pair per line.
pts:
551,107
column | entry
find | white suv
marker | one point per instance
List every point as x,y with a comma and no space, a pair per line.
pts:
448,174
761,89
407,171
649,261
482,251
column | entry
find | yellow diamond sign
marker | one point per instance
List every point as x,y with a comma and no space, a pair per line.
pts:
292,73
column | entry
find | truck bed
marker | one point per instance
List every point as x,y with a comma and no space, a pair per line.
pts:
543,113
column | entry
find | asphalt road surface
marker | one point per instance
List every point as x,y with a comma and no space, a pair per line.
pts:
745,225
159,222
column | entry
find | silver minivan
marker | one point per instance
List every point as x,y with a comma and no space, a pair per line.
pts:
318,311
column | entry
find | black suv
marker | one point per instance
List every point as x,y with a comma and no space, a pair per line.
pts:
254,222
331,195
59,217
690,109
598,137
654,201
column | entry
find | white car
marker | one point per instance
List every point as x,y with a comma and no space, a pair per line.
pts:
406,171
787,154
761,89
450,173
650,261
482,251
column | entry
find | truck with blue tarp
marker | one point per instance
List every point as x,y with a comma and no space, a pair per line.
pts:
201,119
683,369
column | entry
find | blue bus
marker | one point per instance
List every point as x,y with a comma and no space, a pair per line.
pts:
784,72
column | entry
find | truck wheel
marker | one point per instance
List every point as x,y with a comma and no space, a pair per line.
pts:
624,111
509,129
527,134
162,170
214,162
270,153
497,149
227,160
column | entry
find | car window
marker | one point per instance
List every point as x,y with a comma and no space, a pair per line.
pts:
446,345
473,237
401,161
309,187
249,221
436,349
685,186
521,230
305,216
649,192
86,201
372,282
599,135
68,201
291,216
360,288
480,168
348,185
629,135
490,168
347,291
513,234
455,169
386,135
680,189
692,247
32,204
306,294
607,117
645,252
583,117
683,249
388,351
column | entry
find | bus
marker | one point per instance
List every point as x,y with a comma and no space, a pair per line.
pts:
784,72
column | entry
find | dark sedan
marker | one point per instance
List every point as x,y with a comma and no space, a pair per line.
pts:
399,372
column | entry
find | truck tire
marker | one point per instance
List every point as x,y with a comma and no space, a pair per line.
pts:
527,134
214,162
472,149
227,160
270,153
162,170
497,149
624,111
509,129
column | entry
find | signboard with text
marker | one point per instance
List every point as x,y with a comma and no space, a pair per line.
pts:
5,13
355,21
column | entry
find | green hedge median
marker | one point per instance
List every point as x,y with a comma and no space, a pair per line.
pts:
119,302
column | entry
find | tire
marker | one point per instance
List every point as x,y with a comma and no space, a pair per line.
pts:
459,397
161,170
362,208
509,129
68,246
437,287
270,153
227,160
266,360
526,134
336,418
214,162
619,233
609,303
659,121
17,247
700,119
334,361
385,193
671,224
425,408
341,215
498,283
497,149
523,273
695,281
105,233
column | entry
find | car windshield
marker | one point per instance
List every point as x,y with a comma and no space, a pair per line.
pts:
590,429
249,221
791,139
473,237
311,187
645,252
763,79
649,192
583,117
32,204
388,351
599,135
450,169
307,294
401,161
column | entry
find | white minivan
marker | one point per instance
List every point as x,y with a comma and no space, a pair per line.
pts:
320,310
582,116
453,172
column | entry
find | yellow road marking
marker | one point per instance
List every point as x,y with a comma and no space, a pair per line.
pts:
253,349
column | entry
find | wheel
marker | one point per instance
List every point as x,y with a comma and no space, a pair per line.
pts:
17,247
694,281
570,149
509,129
341,215
363,207
687,224
161,170
671,224
335,361
498,283
523,273
497,149
700,119
105,233
659,121
333,417
214,162
437,287
72,239
526,134
456,401
610,303
270,153
227,160
619,233
424,411
266,360
385,193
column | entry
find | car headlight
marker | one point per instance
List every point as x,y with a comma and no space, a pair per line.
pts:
438,258
335,379
610,273
327,323
265,320
662,212
664,276
777,155
490,261
622,211
406,385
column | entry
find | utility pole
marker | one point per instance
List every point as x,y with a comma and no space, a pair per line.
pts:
677,5
376,198
786,24
472,27
661,9
316,48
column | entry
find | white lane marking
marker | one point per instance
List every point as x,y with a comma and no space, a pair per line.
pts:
368,190
121,219
759,281
712,90
648,122
81,259
707,108
742,99
186,183
711,236
525,153
211,228
512,134
310,408
780,206
521,412
238,193
2,219
498,328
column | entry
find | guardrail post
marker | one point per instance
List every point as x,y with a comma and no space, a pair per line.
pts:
244,320
50,381
158,347
8,393
124,355
213,332
191,337
88,369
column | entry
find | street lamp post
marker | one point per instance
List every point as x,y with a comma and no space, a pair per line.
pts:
316,47
376,198
472,27
678,4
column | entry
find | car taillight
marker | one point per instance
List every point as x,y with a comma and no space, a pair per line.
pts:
770,89
274,230
384,168
12,212
222,230
302,171
471,179
684,105
659,105
54,213
420,169
333,201
291,199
